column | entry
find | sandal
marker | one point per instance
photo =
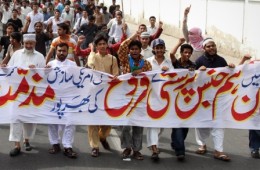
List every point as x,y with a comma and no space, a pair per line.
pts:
27,146
95,152
155,156
126,153
15,152
221,156
55,149
70,153
201,150
137,155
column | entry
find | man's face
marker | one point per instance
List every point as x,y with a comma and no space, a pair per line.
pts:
210,48
57,14
67,8
102,46
135,51
38,28
29,45
91,22
14,14
24,3
61,31
119,18
145,41
142,28
35,7
152,21
85,14
185,55
9,29
159,50
62,53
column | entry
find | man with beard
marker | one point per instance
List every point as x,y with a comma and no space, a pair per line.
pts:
53,129
210,59
30,58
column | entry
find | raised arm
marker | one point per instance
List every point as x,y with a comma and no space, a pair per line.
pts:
175,48
184,24
158,33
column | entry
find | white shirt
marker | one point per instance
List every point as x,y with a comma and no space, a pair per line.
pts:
155,66
6,15
147,53
80,22
116,32
54,23
38,17
26,10
22,17
151,30
68,17
22,59
57,63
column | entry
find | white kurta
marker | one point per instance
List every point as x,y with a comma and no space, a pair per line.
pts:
53,129
22,59
154,133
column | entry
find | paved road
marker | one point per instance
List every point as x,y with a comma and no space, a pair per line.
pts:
236,145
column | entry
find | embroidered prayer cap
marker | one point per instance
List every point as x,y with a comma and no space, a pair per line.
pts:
29,37
157,41
145,35
207,40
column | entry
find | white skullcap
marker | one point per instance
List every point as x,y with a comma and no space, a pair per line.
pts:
207,40
145,35
29,37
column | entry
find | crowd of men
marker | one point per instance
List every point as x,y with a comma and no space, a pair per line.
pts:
59,33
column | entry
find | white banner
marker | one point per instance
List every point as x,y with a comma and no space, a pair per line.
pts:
223,97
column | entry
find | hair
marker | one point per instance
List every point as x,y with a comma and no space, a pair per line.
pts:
99,37
64,26
135,43
104,8
62,45
17,36
142,25
152,17
15,10
35,3
186,46
56,10
91,18
39,22
10,24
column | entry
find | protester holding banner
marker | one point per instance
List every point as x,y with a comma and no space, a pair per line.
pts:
132,63
26,57
210,59
53,129
179,135
158,62
101,61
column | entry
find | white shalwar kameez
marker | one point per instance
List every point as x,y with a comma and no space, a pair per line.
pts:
21,58
54,130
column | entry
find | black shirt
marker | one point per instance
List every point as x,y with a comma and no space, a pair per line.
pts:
5,41
89,31
40,45
18,23
210,61
177,64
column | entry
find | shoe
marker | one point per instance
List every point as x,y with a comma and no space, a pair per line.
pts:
126,154
180,157
137,155
70,153
155,156
15,152
27,146
95,152
55,149
105,144
255,154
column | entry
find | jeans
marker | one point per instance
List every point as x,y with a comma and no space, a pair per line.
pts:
178,137
254,140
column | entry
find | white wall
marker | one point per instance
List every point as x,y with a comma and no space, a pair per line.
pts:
233,23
